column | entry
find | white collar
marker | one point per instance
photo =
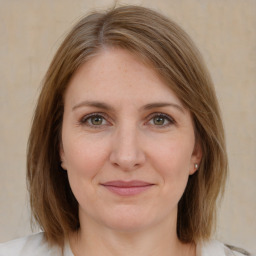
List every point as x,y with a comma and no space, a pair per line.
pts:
210,248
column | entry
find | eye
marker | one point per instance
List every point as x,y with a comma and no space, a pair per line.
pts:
161,120
94,120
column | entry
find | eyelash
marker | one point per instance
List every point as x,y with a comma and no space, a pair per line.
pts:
85,120
170,120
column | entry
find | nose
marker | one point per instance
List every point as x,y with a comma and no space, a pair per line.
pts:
127,152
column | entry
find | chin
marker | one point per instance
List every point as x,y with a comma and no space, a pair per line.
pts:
129,220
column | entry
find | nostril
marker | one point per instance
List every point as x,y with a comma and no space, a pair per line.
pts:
115,164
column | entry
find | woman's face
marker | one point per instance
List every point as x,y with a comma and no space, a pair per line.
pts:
128,144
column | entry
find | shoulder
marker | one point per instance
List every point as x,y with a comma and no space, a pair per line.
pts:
213,248
33,245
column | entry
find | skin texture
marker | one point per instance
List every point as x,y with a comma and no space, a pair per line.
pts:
122,122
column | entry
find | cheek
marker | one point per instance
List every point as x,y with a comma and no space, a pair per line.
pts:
172,160
84,161
174,155
84,158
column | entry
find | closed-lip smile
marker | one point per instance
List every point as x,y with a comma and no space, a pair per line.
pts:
127,188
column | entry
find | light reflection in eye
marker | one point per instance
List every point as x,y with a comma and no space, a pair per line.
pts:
161,120
94,120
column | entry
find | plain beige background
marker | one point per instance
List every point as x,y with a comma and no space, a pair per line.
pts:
224,31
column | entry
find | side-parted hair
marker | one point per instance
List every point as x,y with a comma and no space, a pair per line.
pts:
168,49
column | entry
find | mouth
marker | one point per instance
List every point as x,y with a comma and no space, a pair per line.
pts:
127,188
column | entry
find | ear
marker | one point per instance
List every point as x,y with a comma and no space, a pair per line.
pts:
62,157
196,158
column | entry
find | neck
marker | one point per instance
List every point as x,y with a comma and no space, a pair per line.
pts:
158,240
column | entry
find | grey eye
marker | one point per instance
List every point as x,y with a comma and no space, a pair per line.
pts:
96,120
159,120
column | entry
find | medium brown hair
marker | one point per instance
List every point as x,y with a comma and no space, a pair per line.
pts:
170,51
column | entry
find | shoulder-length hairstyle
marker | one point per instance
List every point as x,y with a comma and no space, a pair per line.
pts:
162,43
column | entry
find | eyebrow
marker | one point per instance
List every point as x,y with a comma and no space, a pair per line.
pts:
163,104
96,104
105,106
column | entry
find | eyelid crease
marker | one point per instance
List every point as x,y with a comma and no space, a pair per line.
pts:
162,115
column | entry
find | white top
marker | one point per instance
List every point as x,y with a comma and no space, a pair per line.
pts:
36,245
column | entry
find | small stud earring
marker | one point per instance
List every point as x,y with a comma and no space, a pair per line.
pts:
196,166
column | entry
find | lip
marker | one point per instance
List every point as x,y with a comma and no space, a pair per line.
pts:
127,188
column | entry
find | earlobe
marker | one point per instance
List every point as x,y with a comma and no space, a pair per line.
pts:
62,158
193,169
196,159
63,166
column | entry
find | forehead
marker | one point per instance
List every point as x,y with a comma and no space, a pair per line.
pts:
116,72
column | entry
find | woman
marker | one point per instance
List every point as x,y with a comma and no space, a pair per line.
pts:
126,153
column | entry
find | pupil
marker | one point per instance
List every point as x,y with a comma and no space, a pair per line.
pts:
159,120
97,120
